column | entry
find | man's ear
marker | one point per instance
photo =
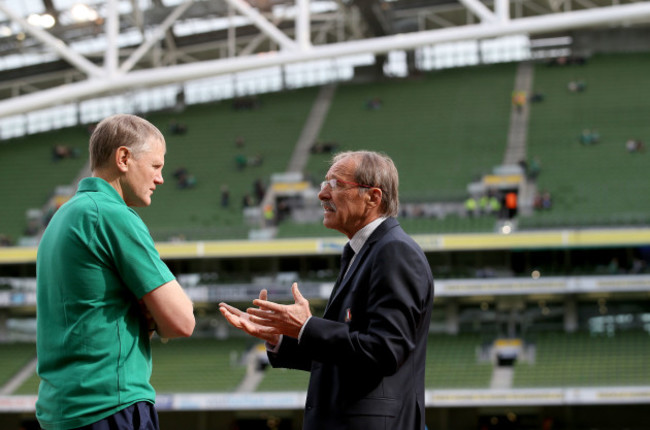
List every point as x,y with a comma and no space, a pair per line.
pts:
374,197
122,158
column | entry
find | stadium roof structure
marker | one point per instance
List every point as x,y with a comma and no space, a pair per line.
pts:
83,51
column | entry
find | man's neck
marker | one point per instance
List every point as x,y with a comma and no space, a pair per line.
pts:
111,177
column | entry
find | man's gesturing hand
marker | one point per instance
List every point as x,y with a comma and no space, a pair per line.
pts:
284,319
242,321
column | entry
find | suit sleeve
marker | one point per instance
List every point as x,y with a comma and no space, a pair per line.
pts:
290,355
398,289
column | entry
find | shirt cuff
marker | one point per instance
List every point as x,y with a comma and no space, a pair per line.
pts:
273,348
302,329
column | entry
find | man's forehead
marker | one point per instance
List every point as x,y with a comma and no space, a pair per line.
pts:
342,167
157,143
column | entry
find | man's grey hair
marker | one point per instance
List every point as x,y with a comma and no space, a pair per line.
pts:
377,170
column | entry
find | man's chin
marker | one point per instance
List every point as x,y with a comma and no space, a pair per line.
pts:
329,223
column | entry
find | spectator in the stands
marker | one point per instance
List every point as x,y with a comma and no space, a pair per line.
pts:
255,160
511,203
248,201
321,147
534,168
542,200
536,97
589,137
60,152
634,145
177,128
225,196
259,189
577,86
240,161
183,178
471,206
5,240
519,100
494,204
374,103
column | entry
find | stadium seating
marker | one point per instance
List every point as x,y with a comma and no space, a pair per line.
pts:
581,359
443,129
14,357
30,173
561,360
453,362
208,151
601,183
198,365
29,386
284,380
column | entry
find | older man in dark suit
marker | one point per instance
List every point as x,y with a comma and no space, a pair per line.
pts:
367,353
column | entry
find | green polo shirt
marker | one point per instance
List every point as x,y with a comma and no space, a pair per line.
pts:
95,260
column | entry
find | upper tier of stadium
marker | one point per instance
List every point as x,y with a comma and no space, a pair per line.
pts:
444,129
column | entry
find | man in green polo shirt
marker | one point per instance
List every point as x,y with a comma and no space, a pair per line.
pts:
102,289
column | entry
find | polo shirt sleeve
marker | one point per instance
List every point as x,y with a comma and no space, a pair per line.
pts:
133,253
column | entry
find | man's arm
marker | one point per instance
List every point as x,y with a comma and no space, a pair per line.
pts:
171,309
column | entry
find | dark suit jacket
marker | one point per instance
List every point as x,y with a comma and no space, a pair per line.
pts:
367,353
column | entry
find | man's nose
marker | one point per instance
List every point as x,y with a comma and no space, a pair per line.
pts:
324,194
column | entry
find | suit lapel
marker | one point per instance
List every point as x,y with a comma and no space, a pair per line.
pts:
358,260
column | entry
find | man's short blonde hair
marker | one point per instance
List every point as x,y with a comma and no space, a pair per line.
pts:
118,130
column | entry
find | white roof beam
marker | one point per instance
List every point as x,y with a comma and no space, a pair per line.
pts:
256,41
303,37
623,14
112,29
77,60
263,24
502,10
479,9
157,35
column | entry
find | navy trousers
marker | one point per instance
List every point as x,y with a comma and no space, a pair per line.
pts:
139,416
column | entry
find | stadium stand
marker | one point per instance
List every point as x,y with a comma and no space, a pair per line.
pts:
216,365
450,127
208,150
284,380
13,358
29,386
439,155
454,362
599,184
188,365
445,129
586,360
442,128
196,365
30,172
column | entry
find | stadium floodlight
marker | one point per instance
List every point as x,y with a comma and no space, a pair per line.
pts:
43,20
83,13
5,31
